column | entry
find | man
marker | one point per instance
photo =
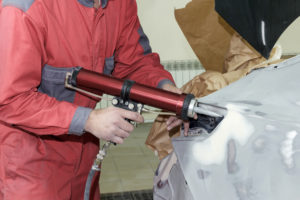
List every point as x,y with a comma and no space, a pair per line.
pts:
49,134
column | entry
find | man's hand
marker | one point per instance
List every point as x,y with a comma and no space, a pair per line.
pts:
173,122
110,123
171,88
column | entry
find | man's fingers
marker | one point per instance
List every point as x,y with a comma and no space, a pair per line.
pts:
171,88
186,128
174,124
122,133
171,120
195,116
125,125
117,140
118,136
134,116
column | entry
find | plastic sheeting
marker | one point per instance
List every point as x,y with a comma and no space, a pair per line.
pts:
253,154
260,22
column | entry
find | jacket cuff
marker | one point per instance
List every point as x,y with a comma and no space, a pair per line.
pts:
163,82
79,119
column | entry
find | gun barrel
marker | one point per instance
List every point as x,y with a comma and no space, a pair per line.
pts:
177,103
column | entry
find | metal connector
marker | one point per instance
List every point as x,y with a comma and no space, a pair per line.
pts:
209,109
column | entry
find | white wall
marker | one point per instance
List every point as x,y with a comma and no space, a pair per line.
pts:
159,24
290,39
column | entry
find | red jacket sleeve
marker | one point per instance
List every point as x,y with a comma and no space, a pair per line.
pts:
133,56
21,58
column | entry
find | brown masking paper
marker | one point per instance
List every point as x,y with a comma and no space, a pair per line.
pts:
207,33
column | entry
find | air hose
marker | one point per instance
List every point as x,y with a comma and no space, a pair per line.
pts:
96,167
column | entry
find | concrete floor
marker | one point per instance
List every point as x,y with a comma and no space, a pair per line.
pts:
131,165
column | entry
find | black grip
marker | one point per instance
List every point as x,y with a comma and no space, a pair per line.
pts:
185,107
125,92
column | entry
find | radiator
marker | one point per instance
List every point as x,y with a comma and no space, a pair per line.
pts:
181,70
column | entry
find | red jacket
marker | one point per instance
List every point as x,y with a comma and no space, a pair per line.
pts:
43,151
